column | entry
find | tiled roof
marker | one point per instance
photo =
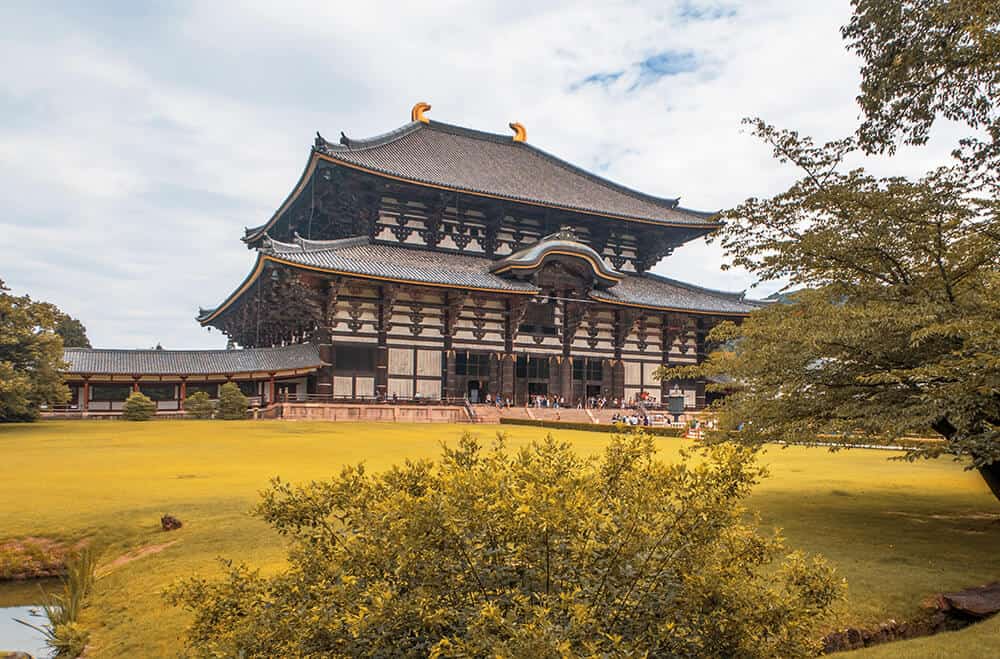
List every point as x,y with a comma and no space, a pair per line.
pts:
420,266
92,361
485,163
359,256
651,290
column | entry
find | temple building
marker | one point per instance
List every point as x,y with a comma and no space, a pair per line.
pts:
436,261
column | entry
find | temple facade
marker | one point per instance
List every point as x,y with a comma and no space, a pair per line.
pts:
436,261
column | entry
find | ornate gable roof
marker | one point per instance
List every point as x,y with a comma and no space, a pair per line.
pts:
561,245
440,154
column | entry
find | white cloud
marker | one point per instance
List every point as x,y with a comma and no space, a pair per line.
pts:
134,147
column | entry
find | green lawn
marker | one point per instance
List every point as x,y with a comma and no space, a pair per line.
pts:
897,531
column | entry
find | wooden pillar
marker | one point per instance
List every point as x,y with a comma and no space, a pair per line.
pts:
135,383
324,376
272,390
670,328
454,303
85,403
620,334
387,296
701,350
566,380
183,394
450,376
507,375
618,379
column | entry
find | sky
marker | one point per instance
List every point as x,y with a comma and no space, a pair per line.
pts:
137,142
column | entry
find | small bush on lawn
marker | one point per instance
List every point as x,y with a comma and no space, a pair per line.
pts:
232,403
537,552
138,407
199,405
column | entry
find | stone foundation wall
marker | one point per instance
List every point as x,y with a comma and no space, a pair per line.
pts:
348,412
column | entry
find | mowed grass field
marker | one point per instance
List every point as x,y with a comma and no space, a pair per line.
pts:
897,531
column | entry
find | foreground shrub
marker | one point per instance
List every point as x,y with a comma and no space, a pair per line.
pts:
535,553
232,403
199,405
138,407
62,633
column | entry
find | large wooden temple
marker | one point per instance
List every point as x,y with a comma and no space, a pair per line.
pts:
436,261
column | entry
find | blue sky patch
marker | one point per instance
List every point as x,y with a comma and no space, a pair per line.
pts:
602,79
705,11
664,64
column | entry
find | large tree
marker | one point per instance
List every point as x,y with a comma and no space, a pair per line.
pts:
896,328
72,331
924,60
30,357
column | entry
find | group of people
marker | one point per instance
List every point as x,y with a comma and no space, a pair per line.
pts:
556,402
499,401
631,419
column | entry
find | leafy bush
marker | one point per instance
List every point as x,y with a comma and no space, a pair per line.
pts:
659,431
138,407
536,553
232,403
199,405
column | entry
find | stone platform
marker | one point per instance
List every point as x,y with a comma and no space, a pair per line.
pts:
368,412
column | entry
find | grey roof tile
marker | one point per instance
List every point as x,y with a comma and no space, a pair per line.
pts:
362,257
652,290
469,160
101,361
359,256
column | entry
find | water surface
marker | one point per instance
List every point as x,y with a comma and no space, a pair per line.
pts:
15,636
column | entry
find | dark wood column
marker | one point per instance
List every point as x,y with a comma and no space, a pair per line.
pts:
624,319
670,329
704,325
85,403
573,313
454,302
507,384
387,298
516,308
183,392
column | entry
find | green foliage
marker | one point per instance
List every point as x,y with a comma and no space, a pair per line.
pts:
657,431
199,405
138,407
30,357
72,331
62,633
925,59
537,552
897,329
232,403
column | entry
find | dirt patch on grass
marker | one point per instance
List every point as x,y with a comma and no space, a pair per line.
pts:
35,557
134,555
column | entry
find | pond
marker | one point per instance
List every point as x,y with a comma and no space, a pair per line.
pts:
16,637
18,601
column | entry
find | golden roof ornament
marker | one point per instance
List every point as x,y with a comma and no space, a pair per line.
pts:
520,132
417,113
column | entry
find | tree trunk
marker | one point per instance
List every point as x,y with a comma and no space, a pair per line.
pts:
990,472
